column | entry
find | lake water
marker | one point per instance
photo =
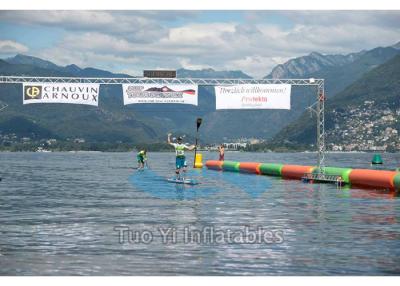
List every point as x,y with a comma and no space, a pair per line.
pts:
63,213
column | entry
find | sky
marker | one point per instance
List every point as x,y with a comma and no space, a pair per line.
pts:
251,41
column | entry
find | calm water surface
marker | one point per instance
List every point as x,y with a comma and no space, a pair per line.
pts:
58,213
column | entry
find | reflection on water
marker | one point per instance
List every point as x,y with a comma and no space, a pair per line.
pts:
211,182
156,185
58,212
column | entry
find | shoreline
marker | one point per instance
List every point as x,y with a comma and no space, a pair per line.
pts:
208,151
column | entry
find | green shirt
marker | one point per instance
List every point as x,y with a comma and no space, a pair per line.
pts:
141,154
180,149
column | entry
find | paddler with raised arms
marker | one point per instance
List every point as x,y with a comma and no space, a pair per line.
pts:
180,162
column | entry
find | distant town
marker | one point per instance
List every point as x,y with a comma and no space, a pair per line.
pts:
365,128
11,142
377,135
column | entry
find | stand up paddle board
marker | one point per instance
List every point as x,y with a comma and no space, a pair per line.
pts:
142,169
123,167
185,181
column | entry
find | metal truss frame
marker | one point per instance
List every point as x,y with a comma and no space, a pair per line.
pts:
318,107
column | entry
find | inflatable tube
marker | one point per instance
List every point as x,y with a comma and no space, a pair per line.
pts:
214,165
271,169
334,171
230,166
372,178
295,171
378,179
396,181
249,167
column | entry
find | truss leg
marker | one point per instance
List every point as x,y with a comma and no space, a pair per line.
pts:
321,128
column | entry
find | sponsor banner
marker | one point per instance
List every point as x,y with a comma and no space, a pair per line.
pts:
159,93
74,93
253,96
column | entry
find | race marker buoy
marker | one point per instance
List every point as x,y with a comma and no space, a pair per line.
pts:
396,182
372,178
377,159
295,172
214,165
230,166
250,167
198,161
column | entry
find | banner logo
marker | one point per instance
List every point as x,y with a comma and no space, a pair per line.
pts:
32,92
156,93
72,93
253,96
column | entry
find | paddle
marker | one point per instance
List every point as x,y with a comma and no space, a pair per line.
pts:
147,164
198,123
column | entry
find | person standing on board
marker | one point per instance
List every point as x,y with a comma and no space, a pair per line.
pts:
141,158
180,162
221,150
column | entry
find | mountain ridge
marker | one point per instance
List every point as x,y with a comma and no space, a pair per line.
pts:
360,113
72,69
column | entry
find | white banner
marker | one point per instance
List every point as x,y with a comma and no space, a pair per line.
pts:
74,93
253,96
160,93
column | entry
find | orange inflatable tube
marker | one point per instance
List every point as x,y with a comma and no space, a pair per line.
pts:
295,171
372,178
250,167
214,164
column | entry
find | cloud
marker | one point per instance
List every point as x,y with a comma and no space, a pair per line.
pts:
341,38
250,47
255,65
187,64
381,18
137,26
375,18
65,56
190,40
8,47
131,40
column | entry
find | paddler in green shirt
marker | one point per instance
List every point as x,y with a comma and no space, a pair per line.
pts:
180,162
141,158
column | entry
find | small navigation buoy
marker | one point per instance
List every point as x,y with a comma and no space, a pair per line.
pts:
377,160
198,162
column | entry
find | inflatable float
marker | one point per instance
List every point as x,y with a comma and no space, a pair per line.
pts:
364,178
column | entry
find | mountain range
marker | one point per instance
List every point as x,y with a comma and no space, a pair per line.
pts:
113,122
314,62
365,114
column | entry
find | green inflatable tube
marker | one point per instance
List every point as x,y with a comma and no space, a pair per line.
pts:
396,181
231,166
335,171
271,169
